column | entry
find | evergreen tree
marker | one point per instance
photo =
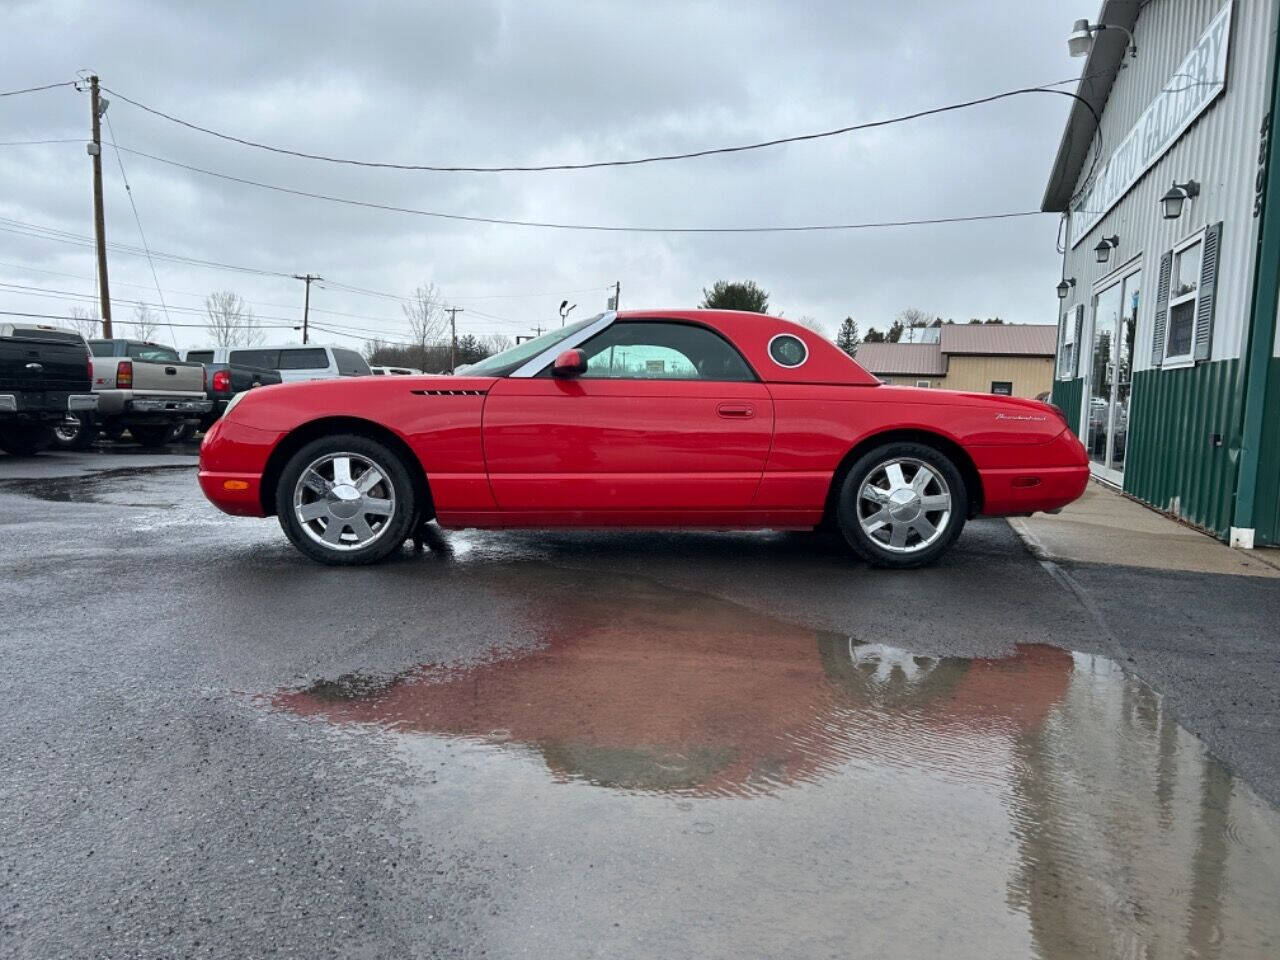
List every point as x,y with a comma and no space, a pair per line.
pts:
847,339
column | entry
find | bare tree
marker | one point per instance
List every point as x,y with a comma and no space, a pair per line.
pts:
914,317
145,322
427,321
85,322
497,342
817,326
230,321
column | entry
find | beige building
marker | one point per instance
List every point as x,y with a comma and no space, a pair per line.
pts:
1015,359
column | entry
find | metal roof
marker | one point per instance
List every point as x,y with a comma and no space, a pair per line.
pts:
920,359
997,339
1100,69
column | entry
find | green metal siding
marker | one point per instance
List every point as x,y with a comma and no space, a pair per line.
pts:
1069,396
1267,515
1172,462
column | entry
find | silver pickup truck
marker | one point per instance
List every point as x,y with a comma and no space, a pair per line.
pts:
141,386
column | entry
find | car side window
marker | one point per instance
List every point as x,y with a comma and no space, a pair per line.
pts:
304,358
350,363
658,350
263,359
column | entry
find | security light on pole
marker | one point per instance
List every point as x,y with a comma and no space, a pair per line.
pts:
1080,41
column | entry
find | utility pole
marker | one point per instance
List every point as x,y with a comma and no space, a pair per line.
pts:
453,336
306,300
617,296
98,107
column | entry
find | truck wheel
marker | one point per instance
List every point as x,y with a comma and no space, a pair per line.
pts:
345,500
902,505
76,432
152,434
25,439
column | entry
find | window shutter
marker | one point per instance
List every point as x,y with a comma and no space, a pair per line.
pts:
1162,310
1208,291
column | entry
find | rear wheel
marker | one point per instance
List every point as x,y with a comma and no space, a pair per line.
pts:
152,434
25,439
346,500
76,432
902,505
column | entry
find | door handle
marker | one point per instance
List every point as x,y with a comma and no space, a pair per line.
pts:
171,371
736,410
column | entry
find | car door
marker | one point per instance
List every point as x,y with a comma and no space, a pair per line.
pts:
667,419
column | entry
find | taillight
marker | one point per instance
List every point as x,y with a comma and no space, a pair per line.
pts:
124,375
221,381
88,365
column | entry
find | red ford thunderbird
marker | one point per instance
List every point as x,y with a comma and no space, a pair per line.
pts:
685,418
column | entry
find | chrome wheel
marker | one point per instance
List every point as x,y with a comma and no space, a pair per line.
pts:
904,505
344,501
68,429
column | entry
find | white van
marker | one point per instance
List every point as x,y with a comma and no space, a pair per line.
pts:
294,363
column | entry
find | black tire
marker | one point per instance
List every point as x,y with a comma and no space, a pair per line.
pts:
76,432
396,486
25,439
917,549
152,435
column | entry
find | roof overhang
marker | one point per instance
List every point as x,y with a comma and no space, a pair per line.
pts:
1100,69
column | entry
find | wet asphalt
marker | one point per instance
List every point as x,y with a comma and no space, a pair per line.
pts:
622,744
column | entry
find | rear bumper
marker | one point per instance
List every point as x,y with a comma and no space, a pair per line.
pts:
51,405
152,407
1055,475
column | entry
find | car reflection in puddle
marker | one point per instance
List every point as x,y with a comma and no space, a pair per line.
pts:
1043,803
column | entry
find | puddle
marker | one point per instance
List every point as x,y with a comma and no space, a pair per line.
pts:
720,783
102,486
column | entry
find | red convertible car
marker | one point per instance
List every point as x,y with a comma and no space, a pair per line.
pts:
685,418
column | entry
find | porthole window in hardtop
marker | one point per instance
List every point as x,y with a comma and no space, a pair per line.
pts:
788,350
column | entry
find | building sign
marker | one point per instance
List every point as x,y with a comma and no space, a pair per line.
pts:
1194,85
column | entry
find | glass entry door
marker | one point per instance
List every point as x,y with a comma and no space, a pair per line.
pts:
1115,316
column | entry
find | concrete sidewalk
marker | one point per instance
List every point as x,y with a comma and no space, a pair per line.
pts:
1105,527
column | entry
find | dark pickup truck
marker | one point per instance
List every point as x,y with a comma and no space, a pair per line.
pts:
45,374
223,379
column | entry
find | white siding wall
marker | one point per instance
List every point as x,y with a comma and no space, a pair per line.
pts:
1220,150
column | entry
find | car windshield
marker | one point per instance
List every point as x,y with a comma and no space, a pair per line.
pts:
501,364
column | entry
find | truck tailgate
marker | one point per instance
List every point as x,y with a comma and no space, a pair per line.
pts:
176,376
43,360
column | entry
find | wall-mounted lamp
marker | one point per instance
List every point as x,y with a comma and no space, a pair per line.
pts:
1065,286
1080,41
1171,202
1103,250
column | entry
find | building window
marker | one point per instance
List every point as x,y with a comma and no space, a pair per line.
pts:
1184,293
1068,342
922,383
1002,387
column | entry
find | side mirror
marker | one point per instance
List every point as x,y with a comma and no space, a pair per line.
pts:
571,363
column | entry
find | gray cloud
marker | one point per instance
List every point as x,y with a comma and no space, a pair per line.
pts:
496,82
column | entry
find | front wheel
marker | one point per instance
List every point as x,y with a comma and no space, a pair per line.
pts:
902,505
346,500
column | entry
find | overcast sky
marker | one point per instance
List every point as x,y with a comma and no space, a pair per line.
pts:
487,82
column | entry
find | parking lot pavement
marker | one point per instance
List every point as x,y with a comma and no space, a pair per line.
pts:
614,744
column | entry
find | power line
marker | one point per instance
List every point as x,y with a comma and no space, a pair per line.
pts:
598,228
47,86
138,220
59,316
591,165
33,143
